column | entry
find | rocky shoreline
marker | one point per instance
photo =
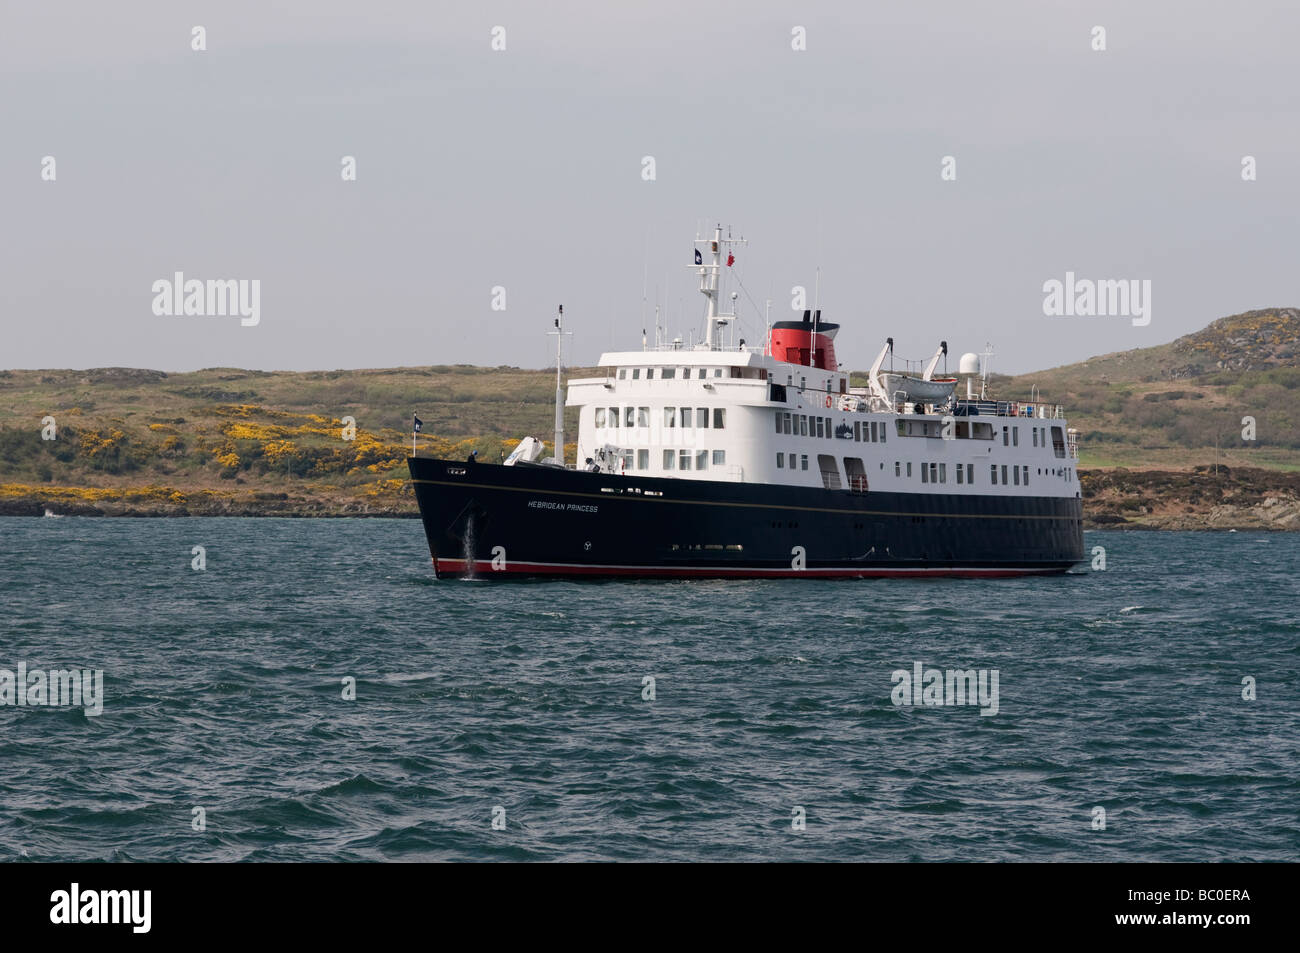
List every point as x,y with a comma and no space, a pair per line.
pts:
1205,498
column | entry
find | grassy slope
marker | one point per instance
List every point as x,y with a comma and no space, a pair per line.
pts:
255,441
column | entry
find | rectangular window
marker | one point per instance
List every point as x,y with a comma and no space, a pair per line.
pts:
961,474
650,373
970,473
613,416
686,416
924,471
993,474
643,459
1015,436
803,425
702,417
704,372
873,431
1026,469
1004,474
1058,442
780,461
719,458
934,473
857,431
668,373
856,473
803,462
1035,430
785,422
670,416
629,416
684,460
778,421
600,418
669,457
719,418
1015,475
643,416
622,373
909,468
701,459
686,373
818,426
897,469
882,432
636,373
943,473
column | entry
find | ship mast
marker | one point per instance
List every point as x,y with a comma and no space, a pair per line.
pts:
559,333
709,273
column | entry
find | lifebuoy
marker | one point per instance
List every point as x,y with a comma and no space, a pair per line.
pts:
828,400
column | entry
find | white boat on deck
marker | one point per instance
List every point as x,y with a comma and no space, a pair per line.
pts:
917,390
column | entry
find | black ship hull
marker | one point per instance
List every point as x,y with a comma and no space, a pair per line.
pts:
490,521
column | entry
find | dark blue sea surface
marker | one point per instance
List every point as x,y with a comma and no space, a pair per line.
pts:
1119,690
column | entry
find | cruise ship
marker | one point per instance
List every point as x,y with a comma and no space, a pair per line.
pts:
722,459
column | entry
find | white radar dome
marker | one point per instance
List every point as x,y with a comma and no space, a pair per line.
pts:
970,363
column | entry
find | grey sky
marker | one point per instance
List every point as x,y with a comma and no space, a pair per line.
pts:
522,169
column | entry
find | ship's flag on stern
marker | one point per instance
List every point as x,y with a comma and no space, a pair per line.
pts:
416,424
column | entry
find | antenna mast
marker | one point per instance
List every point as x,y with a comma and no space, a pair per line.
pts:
559,333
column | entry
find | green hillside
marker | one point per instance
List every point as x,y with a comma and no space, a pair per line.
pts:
226,440
1170,406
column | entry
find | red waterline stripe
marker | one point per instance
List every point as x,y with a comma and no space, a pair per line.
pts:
484,567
